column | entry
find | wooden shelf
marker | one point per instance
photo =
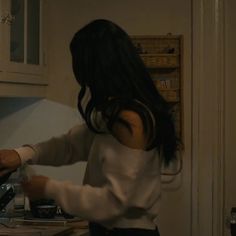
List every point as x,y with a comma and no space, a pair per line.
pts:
168,89
160,60
162,55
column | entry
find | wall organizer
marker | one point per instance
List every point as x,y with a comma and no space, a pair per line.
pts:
163,56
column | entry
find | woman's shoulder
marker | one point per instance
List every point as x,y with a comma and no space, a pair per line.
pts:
129,130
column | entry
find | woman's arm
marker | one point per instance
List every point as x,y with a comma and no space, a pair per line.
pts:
63,150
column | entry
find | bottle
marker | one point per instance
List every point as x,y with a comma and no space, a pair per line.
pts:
233,221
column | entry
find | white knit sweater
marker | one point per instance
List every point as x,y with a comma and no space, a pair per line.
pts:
121,186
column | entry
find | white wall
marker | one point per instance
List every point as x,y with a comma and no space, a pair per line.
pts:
141,17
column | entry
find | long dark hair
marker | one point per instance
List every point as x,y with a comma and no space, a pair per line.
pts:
105,60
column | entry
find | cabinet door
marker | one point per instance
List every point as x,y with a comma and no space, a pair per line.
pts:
21,69
24,37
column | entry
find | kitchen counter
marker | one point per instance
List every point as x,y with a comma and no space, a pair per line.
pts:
80,233
80,228
22,227
41,231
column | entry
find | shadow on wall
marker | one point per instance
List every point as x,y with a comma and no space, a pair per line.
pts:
30,120
12,105
12,117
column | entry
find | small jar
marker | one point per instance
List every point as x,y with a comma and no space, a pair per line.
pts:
19,200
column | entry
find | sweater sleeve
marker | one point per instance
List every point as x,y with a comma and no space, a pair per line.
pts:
128,185
63,150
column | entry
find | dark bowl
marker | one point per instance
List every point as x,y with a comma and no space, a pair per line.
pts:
45,211
43,208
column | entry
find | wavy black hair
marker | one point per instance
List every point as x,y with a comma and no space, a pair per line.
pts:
105,60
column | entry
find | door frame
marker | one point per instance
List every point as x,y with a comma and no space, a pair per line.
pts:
208,92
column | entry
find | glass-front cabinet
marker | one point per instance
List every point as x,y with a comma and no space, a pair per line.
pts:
22,48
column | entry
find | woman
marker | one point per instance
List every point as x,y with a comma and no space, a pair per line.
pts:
127,135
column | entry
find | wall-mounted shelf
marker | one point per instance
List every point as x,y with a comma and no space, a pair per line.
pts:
160,60
163,56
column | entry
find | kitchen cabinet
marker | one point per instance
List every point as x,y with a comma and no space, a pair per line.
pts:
163,58
22,58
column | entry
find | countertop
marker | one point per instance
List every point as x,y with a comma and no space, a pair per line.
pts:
43,227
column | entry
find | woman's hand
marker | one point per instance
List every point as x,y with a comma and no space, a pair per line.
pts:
9,161
35,187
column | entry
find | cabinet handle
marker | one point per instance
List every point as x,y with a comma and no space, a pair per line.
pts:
7,19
